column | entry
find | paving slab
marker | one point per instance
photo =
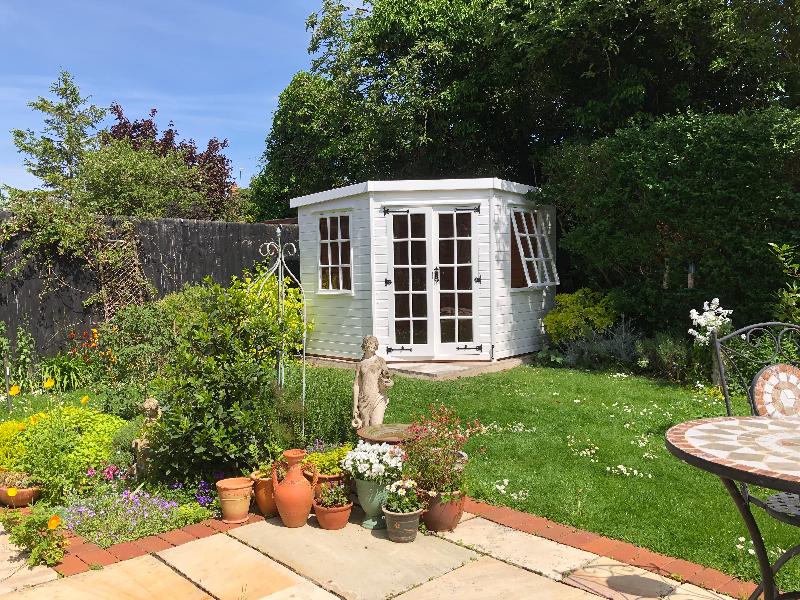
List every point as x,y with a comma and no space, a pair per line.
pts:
354,563
536,554
15,573
687,591
490,578
618,581
228,569
142,578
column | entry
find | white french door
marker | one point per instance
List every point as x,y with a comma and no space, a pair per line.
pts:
432,279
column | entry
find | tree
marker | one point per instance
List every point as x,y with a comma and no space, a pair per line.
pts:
54,155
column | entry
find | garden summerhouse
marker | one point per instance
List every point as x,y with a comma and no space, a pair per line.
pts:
451,269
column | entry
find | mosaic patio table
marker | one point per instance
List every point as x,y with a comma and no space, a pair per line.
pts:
761,451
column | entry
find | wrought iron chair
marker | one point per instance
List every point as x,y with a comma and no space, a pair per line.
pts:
750,361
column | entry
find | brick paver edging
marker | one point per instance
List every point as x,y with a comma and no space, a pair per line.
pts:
643,558
81,555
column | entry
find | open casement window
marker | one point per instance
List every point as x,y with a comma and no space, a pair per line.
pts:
532,264
334,253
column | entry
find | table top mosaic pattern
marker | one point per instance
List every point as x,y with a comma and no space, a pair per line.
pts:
776,391
754,446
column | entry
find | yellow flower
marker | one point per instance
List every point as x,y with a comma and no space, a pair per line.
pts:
15,389
48,383
85,400
53,522
11,492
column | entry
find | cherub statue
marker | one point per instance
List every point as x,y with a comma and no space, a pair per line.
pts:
371,382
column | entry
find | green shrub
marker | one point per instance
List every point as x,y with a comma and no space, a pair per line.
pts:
121,399
37,533
578,315
671,357
122,442
639,207
329,462
12,448
69,371
615,347
787,307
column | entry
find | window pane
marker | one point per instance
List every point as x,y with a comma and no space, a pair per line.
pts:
401,308
345,247
344,228
420,331
418,253
464,224
447,278
418,226
324,278
323,253
401,279
517,272
526,245
465,278
464,251
401,253
323,228
446,225
529,222
518,220
402,332
537,249
335,278
347,284
446,253
400,226
419,305
419,279
465,305
334,228
530,265
334,253
447,305
465,330
448,327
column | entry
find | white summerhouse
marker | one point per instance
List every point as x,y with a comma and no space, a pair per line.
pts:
451,269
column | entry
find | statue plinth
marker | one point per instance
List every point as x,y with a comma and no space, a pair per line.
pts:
389,433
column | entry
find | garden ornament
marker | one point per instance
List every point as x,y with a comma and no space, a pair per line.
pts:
141,446
371,383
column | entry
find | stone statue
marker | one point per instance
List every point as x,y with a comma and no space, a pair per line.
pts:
141,447
371,382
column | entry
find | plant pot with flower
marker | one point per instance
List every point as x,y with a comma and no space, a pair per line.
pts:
333,507
435,459
328,463
402,510
234,498
17,489
372,466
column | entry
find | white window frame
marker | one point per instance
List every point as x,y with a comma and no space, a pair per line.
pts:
328,243
541,238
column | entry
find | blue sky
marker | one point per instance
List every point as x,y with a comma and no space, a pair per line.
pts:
214,68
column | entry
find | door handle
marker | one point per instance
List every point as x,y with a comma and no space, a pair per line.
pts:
436,274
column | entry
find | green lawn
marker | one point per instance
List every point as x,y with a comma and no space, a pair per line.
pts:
563,435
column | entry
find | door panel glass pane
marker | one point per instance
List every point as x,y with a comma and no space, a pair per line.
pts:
401,306
465,330
448,327
419,279
420,331
323,228
324,278
446,254
402,332
334,253
464,251
446,226
419,305
335,278
447,305
344,228
418,226
323,253
447,275
401,253
465,278
418,253
465,305
346,283
334,228
401,279
400,226
345,246
463,224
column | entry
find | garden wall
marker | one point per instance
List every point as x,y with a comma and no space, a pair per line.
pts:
173,253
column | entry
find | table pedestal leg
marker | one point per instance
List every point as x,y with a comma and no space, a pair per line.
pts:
767,575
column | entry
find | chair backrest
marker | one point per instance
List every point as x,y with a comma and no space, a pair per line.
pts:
763,362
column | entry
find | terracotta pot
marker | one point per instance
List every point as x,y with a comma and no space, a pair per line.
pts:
294,495
443,516
332,518
262,490
24,496
323,481
234,498
402,527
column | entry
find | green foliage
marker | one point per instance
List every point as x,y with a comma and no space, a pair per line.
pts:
121,399
69,371
23,361
37,533
613,348
788,305
332,496
122,442
579,314
639,207
402,497
675,358
12,447
329,463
